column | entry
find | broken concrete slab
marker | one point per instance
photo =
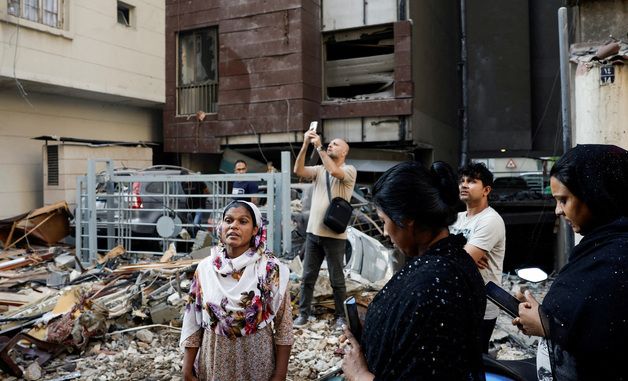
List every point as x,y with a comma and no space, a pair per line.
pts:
164,313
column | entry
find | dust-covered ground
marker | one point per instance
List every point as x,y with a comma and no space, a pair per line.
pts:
153,354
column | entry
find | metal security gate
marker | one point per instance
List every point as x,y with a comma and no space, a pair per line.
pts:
148,212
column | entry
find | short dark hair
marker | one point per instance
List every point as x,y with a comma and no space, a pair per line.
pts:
409,191
477,171
239,161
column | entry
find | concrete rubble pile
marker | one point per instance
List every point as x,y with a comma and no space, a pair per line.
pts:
507,342
121,321
53,309
120,318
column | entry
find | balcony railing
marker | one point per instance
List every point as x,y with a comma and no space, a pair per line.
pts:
193,98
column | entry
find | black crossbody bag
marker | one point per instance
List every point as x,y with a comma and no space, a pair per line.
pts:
339,212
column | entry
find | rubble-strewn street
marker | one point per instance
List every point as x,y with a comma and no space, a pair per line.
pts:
120,318
121,322
154,354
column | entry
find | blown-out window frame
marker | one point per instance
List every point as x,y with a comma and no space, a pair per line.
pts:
197,71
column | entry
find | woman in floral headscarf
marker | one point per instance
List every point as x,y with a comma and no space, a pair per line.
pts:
238,321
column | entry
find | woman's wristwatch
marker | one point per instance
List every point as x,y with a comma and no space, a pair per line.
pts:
320,148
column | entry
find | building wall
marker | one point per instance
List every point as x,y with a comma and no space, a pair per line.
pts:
435,57
513,78
377,118
597,20
91,79
499,77
601,110
73,161
267,82
545,77
271,71
21,164
270,76
93,53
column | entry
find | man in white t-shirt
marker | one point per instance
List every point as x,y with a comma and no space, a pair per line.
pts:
485,232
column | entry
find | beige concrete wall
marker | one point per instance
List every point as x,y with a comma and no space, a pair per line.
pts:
601,110
21,164
93,52
73,161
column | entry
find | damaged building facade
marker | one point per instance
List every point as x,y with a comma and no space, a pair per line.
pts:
599,72
79,69
251,75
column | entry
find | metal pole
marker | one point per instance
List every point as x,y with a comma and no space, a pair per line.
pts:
78,219
286,212
563,47
91,210
464,141
566,242
273,205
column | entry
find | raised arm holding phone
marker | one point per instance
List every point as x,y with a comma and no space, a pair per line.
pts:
322,243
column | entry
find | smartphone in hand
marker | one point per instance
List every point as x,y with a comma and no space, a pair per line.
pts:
313,126
353,319
502,299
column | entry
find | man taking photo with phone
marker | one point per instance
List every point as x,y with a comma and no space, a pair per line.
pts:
322,243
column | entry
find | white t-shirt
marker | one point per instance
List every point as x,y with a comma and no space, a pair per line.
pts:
320,200
486,231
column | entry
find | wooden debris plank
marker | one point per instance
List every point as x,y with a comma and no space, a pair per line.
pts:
157,265
13,299
25,261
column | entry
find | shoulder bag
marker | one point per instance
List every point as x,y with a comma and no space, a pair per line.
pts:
339,211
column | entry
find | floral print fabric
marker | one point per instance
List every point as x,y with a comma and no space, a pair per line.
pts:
246,358
235,297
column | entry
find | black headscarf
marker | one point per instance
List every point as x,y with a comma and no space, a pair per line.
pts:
584,314
598,175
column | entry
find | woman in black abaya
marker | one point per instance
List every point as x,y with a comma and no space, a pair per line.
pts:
425,323
584,316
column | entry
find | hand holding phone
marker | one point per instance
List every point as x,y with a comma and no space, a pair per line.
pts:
353,319
502,299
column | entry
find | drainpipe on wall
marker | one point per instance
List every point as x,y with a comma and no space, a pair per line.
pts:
402,10
563,46
464,121
565,233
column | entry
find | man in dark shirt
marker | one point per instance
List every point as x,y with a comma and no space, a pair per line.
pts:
244,187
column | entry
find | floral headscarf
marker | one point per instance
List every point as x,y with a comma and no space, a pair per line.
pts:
238,296
259,240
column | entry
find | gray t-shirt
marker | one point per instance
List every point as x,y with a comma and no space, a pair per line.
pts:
486,231
320,199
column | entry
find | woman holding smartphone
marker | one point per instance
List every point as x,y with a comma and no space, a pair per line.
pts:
583,319
425,323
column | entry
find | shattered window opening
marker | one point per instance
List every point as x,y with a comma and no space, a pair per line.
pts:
359,64
197,80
